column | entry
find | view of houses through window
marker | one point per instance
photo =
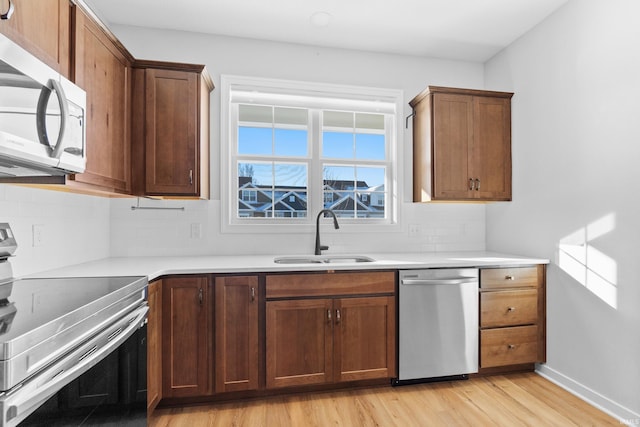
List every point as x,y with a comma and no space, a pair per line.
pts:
290,160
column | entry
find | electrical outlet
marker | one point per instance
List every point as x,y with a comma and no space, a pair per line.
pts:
196,230
38,234
414,230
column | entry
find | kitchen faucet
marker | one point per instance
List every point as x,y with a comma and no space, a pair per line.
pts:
319,247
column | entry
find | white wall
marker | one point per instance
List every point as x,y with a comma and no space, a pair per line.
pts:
75,228
442,227
576,148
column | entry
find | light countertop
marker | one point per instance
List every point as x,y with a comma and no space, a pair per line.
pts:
154,267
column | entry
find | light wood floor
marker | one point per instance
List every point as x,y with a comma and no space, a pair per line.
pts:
510,400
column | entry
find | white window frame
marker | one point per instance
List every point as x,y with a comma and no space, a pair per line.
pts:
315,95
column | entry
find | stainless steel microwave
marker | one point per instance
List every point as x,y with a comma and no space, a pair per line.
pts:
42,118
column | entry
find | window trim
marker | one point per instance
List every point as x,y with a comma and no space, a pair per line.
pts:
364,99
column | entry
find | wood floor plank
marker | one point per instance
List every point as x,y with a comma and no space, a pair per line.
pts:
502,400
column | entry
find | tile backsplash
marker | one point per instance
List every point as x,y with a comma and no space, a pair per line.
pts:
72,228
196,230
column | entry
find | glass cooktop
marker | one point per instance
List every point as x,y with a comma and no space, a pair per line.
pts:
40,307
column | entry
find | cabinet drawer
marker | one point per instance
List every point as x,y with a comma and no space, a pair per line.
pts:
326,284
518,277
508,308
508,346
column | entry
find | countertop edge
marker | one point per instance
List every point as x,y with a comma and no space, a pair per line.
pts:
155,267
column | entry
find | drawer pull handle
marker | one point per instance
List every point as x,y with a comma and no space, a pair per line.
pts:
509,277
329,315
511,346
511,309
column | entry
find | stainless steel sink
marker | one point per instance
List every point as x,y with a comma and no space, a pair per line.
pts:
324,259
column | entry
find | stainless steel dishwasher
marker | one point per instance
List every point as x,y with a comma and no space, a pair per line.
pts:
438,324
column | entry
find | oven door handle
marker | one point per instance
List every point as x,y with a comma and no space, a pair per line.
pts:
27,397
443,281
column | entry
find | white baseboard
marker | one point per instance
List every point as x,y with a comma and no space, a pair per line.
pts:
624,415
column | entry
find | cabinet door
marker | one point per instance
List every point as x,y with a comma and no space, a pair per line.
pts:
236,315
364,338
105,74
491,152
186,335
171,133
41,27
299,342
154,346
452,136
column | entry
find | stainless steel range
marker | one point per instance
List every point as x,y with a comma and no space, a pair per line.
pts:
54,330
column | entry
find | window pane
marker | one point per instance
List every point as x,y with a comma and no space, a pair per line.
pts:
255,113
291,142
369,121
354,191
291,116
370,176
337,119
337,145
280,190
252,140
370,146
373,197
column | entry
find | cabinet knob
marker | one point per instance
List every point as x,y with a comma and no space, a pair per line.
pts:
511,346
511,309
509,277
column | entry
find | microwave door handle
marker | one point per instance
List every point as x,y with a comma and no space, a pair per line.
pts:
41,117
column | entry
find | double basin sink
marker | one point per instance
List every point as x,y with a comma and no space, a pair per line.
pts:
323,259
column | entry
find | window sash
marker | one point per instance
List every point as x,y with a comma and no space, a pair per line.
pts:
387,199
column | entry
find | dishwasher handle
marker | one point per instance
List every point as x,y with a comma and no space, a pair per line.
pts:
444,281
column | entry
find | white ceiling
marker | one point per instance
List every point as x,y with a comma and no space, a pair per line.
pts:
473,30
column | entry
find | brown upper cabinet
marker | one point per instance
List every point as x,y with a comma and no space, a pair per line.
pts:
102,67
171,129
461,145
43,28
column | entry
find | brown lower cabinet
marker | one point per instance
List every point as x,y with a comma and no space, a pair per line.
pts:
244,335
345,330
512,317
154,345
236,333
319,341
186,336
226,336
